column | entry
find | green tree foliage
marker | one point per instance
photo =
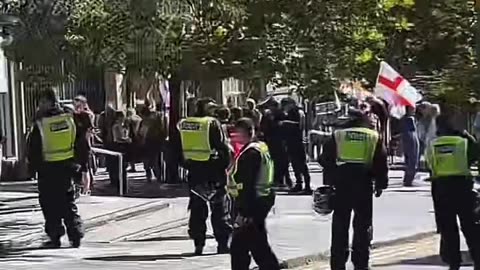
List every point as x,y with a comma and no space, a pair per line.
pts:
332,40
310,44
39,37
139,35
166,36
443,44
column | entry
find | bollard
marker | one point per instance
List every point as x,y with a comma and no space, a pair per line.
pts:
123,189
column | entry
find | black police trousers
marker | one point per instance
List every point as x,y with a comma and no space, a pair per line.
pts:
252,238
358,201
298,158
56,196
279,157
453,198
220,218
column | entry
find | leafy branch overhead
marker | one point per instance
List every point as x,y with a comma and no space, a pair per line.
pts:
306,43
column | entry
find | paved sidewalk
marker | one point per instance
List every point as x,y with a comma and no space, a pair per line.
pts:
158,240
419,254
21,219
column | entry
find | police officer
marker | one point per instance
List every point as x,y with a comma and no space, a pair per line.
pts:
206,157
293,127
51,154
274,136
449,157
351,160
256,115
251,179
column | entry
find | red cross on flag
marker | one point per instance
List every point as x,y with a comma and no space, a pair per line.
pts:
395,89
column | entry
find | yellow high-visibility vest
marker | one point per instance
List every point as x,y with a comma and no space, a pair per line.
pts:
356,145
265,176
447,156
195,136
58,137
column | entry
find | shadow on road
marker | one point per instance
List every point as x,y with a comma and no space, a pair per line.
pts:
167,238
139,187
8,250
143,258
433,260
22,187
413,190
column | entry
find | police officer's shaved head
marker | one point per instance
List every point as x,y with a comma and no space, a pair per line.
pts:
223,113
48,96
245,125
357,118
236,113
444,125
203,105
287,101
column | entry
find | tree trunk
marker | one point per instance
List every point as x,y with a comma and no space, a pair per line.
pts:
174,115
115,94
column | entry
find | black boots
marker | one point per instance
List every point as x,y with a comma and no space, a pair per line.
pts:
52,243
75,243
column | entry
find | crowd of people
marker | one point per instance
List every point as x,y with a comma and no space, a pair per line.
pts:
140,135
234,158
414,131
281,125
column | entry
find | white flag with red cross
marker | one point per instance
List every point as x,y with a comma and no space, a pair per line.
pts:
396,90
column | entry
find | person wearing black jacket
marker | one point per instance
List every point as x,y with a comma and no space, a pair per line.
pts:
206,162
449,158
250,185
51,154
271,127
293,127
352,159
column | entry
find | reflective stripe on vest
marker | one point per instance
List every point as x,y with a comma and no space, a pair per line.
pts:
356,145
447,156
264,177
195,136
225,132
58,137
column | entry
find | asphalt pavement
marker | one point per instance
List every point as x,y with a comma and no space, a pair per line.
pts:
140,233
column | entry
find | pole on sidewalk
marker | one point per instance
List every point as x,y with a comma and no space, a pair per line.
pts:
123,188
120,174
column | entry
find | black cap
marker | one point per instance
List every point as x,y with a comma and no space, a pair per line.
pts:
269,101
287,100
355,113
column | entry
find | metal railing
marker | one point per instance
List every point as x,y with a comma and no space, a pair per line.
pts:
123,189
